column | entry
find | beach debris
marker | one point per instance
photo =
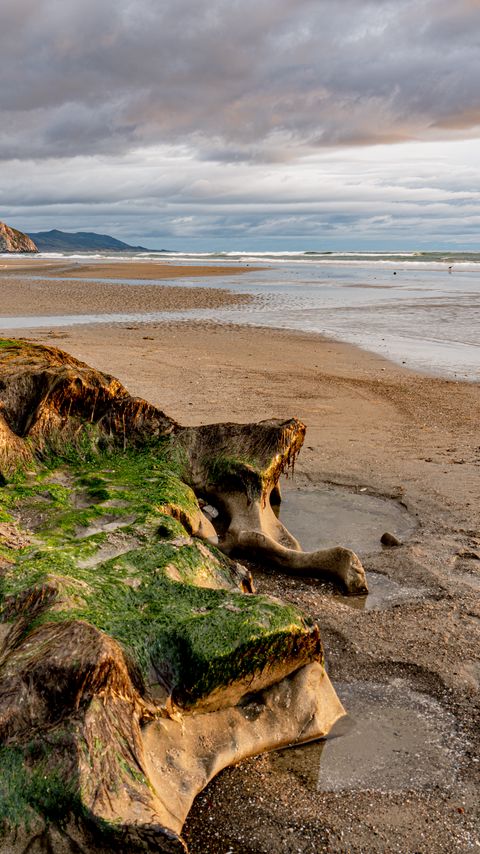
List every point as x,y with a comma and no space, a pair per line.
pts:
210,512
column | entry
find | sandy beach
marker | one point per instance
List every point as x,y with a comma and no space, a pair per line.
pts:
28,298
373,429
121,269
240,245
24,293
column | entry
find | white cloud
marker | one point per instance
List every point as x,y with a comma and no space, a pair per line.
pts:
413,192
241,117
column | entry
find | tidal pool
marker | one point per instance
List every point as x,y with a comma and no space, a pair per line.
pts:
327,516
383,592
393,739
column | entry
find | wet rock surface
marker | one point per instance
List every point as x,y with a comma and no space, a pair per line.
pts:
119,616
403,773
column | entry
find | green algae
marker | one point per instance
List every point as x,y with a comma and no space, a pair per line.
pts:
182,631
29,790
7,343
235,474
196,639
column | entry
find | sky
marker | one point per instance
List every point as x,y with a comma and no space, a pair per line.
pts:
243,124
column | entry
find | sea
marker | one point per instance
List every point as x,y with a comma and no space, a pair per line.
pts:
419,309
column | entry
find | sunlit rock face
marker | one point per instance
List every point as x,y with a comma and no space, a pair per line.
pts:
136,661
12,240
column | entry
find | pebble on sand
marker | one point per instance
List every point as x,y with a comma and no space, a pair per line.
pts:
391,540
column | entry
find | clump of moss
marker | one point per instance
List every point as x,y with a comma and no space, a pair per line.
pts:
160,599
30,787
234,474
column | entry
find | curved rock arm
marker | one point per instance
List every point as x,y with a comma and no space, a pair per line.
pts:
336,563
243,483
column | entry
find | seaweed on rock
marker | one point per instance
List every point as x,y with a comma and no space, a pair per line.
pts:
124,629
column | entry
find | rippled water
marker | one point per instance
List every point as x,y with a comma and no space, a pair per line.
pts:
418,310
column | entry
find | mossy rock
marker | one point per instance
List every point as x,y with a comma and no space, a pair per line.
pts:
111,613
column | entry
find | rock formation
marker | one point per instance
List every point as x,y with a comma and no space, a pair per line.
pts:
12,240
135,659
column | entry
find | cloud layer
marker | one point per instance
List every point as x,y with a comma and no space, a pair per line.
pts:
240,109
234,75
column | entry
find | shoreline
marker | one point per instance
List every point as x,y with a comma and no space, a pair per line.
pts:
151,295
121,269
33,298
374,428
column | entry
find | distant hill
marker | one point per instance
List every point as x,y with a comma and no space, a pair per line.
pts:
81,241
12,240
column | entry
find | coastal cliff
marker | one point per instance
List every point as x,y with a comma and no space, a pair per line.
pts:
12,240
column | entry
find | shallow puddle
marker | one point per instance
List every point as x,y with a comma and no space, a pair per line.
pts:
383,592
394,739
328,516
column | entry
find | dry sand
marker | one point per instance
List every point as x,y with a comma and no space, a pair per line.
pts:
375,427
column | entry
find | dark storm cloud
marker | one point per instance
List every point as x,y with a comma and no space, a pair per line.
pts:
235,79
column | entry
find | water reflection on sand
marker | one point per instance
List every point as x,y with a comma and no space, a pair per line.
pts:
425,318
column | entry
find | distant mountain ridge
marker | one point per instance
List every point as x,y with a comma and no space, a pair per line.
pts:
81,241
12,240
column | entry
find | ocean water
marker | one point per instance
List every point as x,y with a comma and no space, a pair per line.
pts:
421,309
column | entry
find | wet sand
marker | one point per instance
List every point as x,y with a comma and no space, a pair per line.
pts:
154,270
28,297
377,429
23,293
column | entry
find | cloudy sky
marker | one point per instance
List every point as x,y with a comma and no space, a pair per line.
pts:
243,123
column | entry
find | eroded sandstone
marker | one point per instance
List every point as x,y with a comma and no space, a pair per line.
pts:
126,634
